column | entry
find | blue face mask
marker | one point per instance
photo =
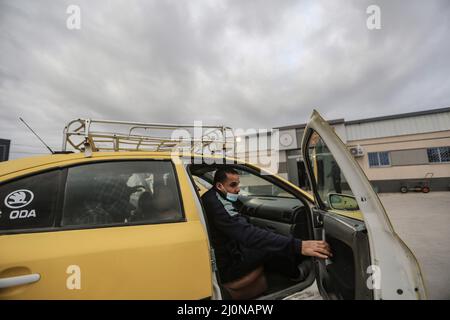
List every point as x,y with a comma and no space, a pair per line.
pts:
233,197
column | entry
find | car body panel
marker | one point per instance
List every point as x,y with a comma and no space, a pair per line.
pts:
165,261
153,261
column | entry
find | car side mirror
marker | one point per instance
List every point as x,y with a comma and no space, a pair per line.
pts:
340,201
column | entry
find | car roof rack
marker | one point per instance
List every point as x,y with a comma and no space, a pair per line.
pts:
89,135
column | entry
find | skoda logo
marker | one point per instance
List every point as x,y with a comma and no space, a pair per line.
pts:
19,199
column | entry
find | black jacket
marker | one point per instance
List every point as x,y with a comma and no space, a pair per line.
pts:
230,231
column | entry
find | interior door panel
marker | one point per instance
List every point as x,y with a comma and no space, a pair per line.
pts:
345,274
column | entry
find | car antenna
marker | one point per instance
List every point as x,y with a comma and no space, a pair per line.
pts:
37,135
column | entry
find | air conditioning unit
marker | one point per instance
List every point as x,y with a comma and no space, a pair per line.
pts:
357,151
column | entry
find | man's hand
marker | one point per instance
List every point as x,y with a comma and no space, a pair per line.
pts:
319,249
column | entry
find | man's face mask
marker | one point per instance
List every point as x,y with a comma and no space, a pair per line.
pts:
233,197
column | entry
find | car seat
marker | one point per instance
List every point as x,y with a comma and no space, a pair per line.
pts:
145,209
164,203
249,286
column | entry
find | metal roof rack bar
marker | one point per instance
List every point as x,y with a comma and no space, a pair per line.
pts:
89,135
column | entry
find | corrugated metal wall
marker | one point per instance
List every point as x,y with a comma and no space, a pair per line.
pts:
396,127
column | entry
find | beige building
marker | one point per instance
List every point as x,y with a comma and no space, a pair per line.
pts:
403,150
417,157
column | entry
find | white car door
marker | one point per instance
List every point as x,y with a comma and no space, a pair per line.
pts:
381,261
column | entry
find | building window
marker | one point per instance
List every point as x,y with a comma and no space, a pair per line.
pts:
379,159
437,155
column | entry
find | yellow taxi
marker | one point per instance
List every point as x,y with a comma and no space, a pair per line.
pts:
126,224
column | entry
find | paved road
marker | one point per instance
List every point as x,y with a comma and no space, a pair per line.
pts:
423,222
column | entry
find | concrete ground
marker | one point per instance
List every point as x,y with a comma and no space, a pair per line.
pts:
423,223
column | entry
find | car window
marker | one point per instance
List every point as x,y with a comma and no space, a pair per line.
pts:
121,192
253,185
328,176
29,202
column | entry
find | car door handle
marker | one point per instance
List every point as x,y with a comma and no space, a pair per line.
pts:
19,280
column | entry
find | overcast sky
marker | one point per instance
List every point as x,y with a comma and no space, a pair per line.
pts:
258,64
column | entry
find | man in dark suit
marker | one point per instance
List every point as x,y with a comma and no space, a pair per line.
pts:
241,247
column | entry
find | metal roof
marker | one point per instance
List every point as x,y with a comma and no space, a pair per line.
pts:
412,123
399,116
391,125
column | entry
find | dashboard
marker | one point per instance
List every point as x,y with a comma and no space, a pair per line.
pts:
286,216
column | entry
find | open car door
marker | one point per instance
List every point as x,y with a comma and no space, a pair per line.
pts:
369,260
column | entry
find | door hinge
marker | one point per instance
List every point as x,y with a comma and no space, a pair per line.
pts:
213,260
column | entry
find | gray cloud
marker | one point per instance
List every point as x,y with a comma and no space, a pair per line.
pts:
240,63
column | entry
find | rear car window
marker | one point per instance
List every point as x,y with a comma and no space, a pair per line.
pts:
121,193
29,202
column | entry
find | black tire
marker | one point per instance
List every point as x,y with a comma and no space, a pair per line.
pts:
426,189
403,189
